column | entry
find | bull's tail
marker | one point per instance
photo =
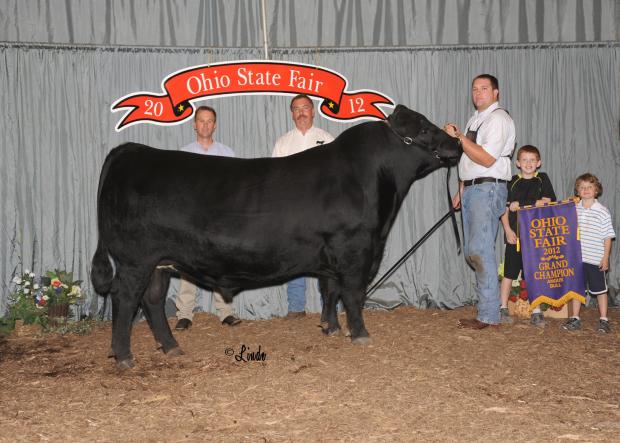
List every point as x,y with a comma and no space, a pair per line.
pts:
102,273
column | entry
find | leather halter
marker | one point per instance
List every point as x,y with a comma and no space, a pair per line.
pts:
411,140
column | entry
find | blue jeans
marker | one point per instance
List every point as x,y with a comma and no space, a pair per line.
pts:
296,294
482,206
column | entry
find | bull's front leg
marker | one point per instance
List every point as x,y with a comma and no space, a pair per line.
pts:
330,294
353,300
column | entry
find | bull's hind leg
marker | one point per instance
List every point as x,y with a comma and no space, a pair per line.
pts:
353,300
153,303
128,287
329,315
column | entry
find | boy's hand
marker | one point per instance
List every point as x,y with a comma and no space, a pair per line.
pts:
514,206
511,237
604,266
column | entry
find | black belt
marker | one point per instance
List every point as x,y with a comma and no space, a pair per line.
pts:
477,181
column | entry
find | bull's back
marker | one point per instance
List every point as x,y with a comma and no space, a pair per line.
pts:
248,205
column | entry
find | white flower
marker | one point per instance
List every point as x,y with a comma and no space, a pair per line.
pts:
36,286
31,275
45,297
26,291
26,271
17,280
64,286
26,283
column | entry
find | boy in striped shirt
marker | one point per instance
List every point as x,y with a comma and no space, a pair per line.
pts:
596,232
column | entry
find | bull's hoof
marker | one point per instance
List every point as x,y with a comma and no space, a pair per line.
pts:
330,332
123,365
361,341
174,352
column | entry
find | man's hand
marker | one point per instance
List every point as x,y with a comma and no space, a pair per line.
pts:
451,129
456,201
514,206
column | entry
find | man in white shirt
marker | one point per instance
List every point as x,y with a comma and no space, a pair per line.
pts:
484,171
303,136
205,122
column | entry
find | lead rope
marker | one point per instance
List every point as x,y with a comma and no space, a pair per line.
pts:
452,215
409,253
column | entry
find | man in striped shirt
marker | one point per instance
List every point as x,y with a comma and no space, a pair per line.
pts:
596,233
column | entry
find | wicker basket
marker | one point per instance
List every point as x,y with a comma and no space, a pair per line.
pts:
519,308
58,314
22,330
58,311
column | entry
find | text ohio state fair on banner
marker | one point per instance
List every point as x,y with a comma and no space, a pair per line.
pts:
249,77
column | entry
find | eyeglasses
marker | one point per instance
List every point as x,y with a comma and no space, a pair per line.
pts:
298,109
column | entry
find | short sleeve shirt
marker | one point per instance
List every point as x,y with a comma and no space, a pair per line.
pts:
496,134
527,191
594,228
294,141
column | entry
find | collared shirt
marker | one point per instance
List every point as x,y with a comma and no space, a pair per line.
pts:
496,134
216,148
594,228
294,141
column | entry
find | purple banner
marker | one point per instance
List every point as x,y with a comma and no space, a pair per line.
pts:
551,251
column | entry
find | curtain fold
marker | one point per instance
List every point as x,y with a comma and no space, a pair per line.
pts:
318,23
57,128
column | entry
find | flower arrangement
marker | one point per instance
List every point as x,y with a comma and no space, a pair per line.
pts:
31,300
518,291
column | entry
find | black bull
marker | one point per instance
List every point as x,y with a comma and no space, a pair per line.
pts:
233,224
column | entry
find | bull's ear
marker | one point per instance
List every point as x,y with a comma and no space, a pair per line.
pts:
394,116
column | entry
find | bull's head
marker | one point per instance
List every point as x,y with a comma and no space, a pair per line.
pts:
414,129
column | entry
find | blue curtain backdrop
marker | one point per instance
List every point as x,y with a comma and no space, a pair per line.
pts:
65,62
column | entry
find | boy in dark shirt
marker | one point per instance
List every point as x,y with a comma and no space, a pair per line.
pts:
527,188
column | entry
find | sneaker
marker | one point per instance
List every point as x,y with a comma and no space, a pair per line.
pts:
504,317
603,326
572,324
538,320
